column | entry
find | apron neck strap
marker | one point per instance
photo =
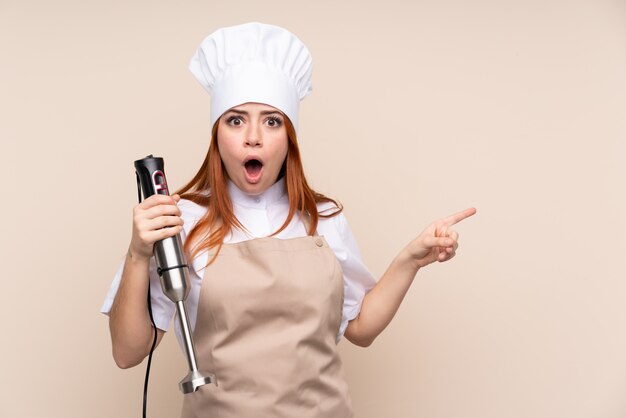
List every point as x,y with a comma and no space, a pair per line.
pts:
306,218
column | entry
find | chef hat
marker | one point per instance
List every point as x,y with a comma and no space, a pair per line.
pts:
253,62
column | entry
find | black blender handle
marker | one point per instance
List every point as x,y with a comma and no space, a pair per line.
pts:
151,175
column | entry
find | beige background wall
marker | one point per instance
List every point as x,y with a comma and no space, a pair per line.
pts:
419,109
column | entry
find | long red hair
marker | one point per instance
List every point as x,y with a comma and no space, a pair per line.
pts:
219,219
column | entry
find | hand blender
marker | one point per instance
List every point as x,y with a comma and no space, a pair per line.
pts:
173,270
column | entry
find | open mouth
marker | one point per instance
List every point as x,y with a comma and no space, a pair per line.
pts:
253,168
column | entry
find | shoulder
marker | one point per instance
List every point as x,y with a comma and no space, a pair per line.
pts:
334,228
326,209
190,211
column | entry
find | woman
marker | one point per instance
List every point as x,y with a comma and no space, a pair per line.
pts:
276,276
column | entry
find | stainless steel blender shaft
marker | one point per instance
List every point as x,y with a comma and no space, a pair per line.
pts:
174,275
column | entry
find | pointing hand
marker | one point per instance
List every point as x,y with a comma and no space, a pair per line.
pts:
438,242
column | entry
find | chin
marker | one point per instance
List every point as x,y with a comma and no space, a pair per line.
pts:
253,189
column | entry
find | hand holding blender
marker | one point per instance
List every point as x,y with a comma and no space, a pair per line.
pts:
173,270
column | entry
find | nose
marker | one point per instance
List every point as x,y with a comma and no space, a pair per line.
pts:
253,141
253,136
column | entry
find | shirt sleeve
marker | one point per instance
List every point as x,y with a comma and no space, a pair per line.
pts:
356,276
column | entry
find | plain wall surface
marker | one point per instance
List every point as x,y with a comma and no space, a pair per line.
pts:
419,109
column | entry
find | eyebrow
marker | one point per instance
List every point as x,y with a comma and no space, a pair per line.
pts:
263,112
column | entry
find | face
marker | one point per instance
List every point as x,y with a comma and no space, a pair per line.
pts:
252,140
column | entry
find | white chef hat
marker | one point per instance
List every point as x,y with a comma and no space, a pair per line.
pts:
253,62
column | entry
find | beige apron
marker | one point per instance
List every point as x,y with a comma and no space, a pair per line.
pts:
268,315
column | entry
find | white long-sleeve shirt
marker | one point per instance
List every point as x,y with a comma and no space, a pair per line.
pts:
261,215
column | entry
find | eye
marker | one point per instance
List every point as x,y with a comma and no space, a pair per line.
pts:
234,121
274,122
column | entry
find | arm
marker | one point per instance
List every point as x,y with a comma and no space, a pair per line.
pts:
381,303
129,322
436,243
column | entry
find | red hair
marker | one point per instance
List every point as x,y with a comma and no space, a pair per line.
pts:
219,218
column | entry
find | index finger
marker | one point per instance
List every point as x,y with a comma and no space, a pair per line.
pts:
459,216
157,199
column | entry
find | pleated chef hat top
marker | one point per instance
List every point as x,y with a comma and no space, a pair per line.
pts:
253,62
